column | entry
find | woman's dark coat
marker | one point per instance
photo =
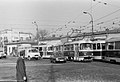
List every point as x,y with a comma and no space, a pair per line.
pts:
20,70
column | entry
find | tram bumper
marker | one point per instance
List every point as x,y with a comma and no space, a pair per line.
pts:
88,58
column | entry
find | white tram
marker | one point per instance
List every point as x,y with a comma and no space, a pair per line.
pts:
79,50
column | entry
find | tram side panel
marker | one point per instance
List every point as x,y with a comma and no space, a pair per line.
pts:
113,51
69,55
98,50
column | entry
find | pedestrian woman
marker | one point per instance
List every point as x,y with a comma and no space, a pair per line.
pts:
20,68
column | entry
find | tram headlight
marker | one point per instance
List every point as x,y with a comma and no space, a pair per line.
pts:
57,59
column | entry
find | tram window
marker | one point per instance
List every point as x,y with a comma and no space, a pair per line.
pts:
110,45
88,46
57,48
40,48
81,54
103,46
88,53
45,48
68,47
71,47
119,54
60,47
117,45
64,47
50,48
98,45
94,46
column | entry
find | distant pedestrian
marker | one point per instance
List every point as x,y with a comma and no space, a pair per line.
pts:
21,69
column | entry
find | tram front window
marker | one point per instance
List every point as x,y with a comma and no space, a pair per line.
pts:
86,46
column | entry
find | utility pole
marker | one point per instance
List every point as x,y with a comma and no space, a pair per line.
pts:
90,21
35,23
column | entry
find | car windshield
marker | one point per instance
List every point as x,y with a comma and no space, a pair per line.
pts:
33,50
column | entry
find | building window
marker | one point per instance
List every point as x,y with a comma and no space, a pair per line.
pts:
21,38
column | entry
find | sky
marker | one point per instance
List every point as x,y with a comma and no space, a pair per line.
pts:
58,16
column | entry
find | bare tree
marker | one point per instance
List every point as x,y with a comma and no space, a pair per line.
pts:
42,34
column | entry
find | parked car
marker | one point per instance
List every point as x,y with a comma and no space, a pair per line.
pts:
57,57
2,55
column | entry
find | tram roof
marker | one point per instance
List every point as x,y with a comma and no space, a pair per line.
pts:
99,41
113,39
39,45
54,43
80,41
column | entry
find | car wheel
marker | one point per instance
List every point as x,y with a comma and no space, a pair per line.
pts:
54,61
38,58
51,61
29,58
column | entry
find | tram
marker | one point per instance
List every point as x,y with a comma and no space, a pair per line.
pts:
99,48
112,50
69,51
79,50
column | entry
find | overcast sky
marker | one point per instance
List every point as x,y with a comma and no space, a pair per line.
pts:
54,14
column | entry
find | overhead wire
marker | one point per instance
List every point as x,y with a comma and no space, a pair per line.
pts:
91,11
103,22
73,21
79,16
107,14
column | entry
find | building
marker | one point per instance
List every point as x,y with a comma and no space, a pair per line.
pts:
14,48
9,35
25,36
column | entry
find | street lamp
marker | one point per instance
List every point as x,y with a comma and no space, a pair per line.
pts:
36,29
91,20
35,23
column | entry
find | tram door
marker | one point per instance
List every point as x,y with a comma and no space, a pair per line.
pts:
76,52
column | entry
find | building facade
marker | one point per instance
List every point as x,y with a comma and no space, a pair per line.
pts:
9,36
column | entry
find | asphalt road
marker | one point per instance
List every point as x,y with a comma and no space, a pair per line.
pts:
44,71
